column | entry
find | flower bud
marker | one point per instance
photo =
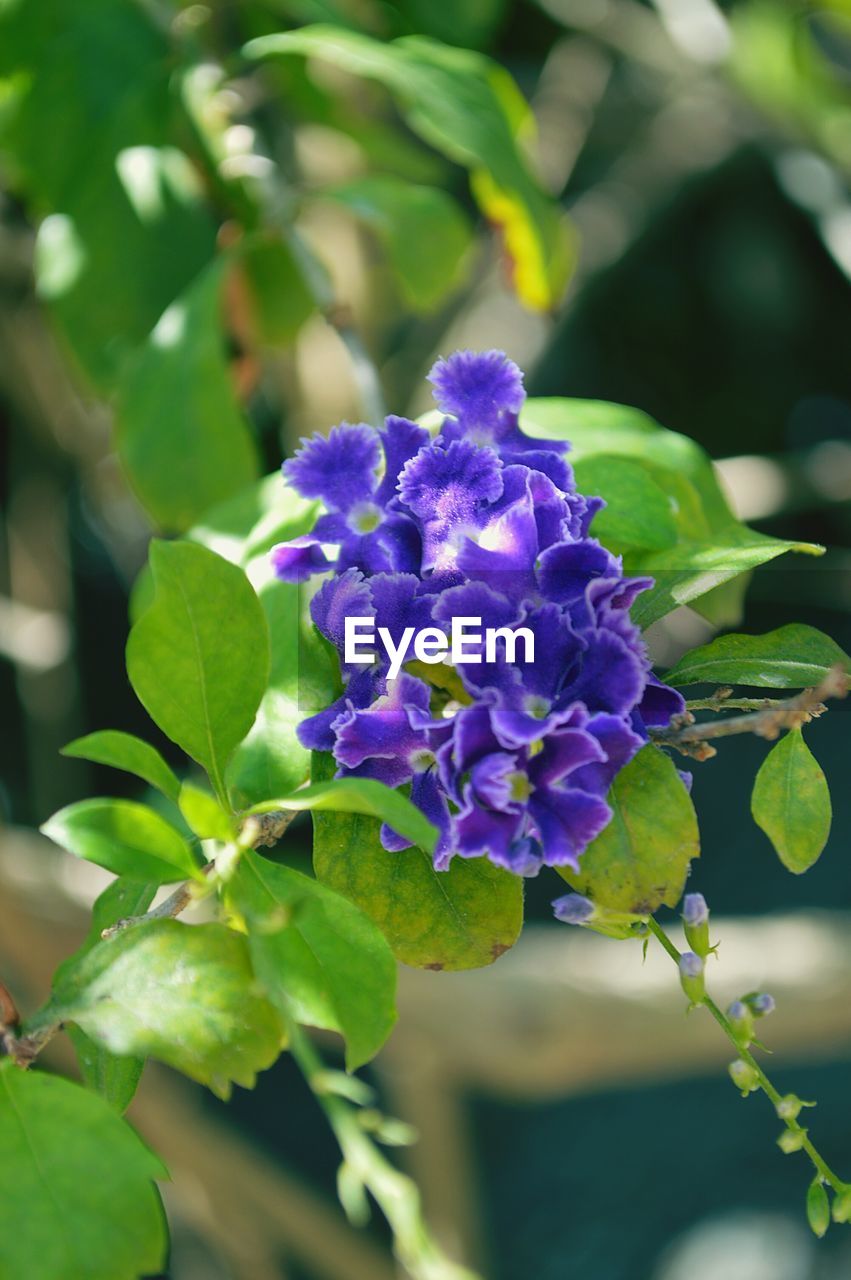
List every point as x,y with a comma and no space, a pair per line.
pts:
818,1207
691,977
789,1108
744,1076
761,1004
741,1021
791,1140
842,1206
696,923
573,908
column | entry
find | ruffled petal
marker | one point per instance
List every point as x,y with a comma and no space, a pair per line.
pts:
340,469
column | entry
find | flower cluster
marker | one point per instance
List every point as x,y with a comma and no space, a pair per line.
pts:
512,760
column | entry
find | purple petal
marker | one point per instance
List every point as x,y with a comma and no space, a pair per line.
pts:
346,596
401,439
299,559
446,488
315,732
428,797
383,729
482,389
567,821
619,743
567,568
659,703
479,831
611,677
562,753
340,469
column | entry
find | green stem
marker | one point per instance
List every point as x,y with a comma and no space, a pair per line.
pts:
732,704
821,1166
396,1195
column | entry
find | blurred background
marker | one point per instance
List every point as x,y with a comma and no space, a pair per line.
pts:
160,196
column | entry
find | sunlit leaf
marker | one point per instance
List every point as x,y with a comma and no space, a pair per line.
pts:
303,679
205,815
470,109
114,1078
360,795
183,439
76,1190
128,753
639,513
792,657
126,838
424,231
321,959
712,550
641,859
791,802
185,994
198,658
462,918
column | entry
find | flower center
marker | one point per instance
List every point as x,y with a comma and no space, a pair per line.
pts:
421,760
519,786
536,706
364,517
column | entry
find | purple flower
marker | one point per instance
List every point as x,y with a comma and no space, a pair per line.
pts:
342,471
511,747
483,392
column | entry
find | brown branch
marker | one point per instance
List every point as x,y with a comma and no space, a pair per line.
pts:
693,739
21,1049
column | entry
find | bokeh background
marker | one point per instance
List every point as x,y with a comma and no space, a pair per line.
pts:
572,1122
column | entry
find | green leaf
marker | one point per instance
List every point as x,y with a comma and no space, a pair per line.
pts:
712,549
639,512
114,1078
205,815
424,231
791,802
281,299
185,994
303,679
596,427
470,109
198,658
462,918
182,437
251,522
126,838
468,23
792,657
687,571
76,1191
88,138
641,860
360,795
321,959
128,753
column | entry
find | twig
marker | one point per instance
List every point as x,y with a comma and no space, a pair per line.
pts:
396,1195
692,739
259,831
21,1049
821,1166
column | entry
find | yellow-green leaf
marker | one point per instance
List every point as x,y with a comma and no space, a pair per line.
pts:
791,802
